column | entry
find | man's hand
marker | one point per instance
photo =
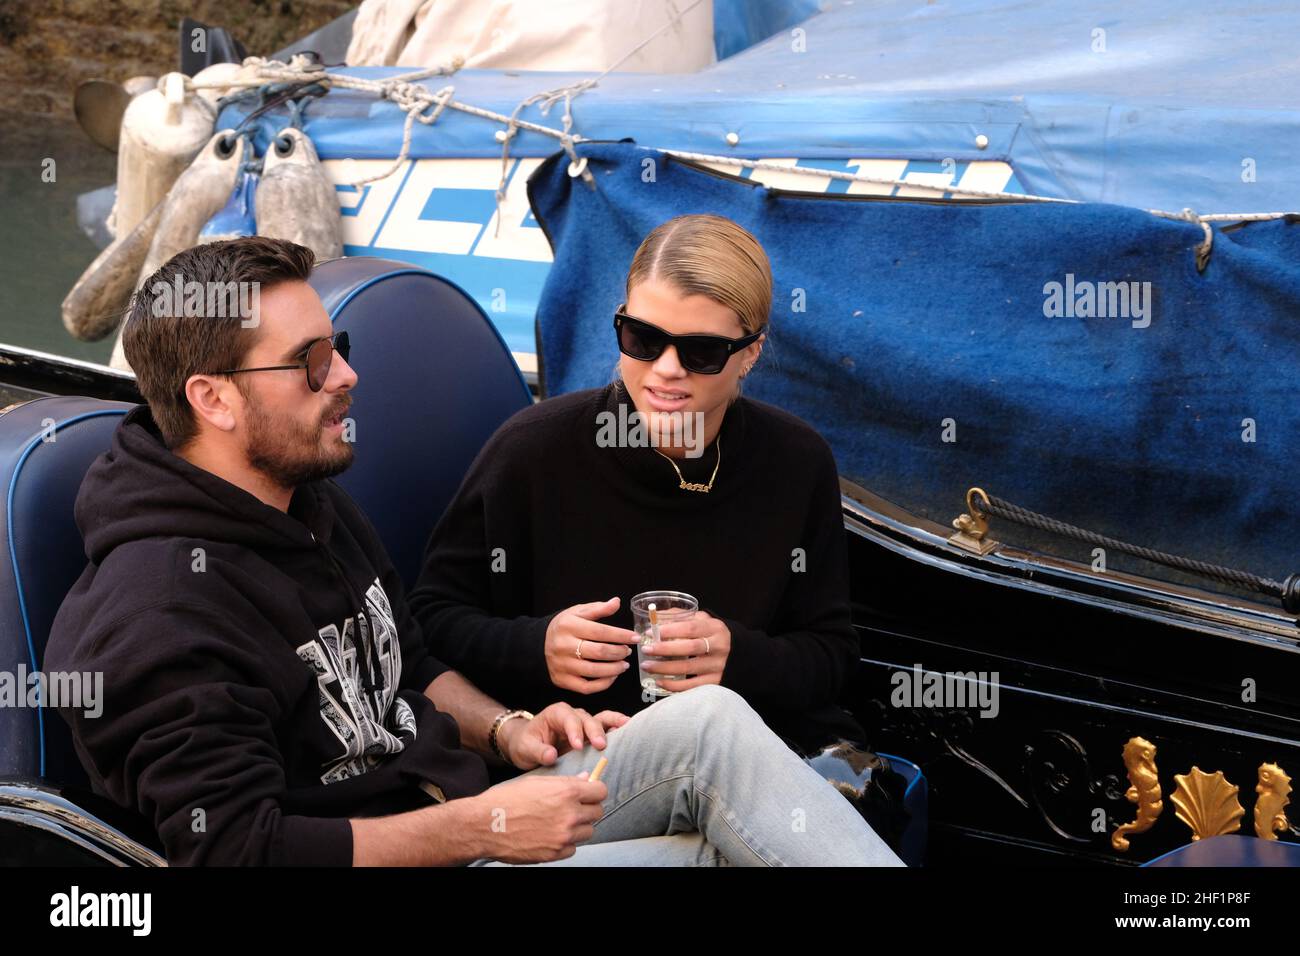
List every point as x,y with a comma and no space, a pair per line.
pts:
556,730
537,819
603,648
704,639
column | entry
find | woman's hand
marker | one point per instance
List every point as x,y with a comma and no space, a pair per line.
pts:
556,730
583,655
704,639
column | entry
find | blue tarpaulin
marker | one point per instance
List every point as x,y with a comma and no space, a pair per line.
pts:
1161,104
943,345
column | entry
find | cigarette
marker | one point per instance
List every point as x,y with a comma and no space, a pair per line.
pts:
599,769
654,623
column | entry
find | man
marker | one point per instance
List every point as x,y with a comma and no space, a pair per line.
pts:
268,699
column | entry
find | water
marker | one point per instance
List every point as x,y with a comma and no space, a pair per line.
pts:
42,250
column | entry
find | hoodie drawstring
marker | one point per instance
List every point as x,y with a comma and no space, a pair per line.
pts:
365,634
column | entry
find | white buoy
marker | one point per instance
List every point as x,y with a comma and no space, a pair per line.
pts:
162,130
296,199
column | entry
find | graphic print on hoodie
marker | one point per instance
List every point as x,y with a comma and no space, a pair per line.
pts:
354,716
263,680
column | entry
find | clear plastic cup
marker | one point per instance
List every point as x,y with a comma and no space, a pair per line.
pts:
669,606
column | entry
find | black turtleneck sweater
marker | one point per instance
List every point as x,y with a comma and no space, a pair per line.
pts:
764,551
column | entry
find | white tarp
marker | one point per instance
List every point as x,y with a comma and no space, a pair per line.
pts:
533,35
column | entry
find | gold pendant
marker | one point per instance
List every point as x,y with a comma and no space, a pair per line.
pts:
693,486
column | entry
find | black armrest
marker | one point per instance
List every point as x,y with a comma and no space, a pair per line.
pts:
50,825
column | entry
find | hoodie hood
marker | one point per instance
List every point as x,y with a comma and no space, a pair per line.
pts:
139,489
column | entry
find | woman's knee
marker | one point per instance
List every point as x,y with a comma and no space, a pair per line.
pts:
712,704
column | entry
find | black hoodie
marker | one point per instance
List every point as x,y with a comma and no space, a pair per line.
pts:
249,708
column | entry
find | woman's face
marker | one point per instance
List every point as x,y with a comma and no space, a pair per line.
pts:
664,386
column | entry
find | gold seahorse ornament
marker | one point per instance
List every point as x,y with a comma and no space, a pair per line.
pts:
1274,788
1140,761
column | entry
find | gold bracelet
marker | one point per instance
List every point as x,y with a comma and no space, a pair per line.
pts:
496,729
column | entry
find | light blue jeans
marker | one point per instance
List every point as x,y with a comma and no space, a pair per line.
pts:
697,779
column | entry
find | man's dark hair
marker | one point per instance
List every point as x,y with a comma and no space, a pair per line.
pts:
166,342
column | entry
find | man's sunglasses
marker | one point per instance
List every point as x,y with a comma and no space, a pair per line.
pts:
320,354
706,354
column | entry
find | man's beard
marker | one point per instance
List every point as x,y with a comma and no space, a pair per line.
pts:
292,455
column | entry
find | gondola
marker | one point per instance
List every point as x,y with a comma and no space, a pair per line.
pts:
1078,622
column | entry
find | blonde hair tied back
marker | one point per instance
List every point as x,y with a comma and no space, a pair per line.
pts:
708,255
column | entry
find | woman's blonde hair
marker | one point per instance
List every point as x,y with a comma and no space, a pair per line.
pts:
712,256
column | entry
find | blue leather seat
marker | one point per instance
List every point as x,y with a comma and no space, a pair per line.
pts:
434,381
47,816
45,448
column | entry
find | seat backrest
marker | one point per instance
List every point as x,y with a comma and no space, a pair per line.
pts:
46,446
434,381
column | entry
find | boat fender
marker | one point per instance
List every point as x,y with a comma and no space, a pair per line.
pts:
162,130
296,199
98,300
200,191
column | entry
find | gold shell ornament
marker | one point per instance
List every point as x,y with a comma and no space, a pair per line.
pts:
1207,803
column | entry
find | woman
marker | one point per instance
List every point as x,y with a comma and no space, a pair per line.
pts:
564,516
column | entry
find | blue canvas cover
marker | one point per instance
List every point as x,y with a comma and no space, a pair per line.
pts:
1159,104
923,322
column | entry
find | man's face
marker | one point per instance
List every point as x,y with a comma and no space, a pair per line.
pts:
292,434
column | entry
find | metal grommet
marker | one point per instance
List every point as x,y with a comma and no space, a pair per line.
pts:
578,167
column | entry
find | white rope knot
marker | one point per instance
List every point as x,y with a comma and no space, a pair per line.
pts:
413,99
1204,249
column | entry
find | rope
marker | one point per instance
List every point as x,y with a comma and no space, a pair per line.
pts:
548,98
406,99
1287,591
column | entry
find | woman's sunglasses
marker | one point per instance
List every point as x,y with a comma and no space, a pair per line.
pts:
320,354
706,354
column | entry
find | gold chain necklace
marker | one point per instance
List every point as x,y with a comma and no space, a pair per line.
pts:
685,485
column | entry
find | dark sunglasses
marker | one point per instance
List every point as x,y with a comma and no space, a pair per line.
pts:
320,354
706,354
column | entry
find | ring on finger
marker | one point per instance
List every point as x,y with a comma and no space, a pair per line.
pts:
706,647
578,651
